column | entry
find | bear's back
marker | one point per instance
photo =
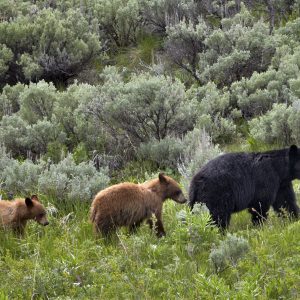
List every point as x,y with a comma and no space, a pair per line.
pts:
124,195
7,211
229,164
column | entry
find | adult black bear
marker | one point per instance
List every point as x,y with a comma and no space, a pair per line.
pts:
236,181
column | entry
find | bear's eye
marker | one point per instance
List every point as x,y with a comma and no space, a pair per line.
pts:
177,193
41,215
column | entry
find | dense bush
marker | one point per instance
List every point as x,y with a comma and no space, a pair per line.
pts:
63,181
228,252
119,20
9,99
46,44
237,71
68,181
279,126
198,150
225,55
22,178
165,153
144,108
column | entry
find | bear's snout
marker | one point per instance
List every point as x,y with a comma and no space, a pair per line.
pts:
46,223
181,199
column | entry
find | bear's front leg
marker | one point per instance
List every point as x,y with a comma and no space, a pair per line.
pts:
259,212
286,200
19,229
159,227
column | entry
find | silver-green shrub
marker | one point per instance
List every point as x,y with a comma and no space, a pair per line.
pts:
273,127
5,161
37,101
165,152
213,106
222,130
12,132
120,20
68,181
294,122
21,178
242,45
228,253
40,134
144,108
47,43
9,99
198,150
63,181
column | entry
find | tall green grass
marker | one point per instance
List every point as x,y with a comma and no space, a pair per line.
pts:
65,261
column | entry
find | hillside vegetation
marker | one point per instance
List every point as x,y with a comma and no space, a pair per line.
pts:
98,92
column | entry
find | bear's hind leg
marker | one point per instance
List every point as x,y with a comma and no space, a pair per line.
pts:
221,219
150,223
286,200
134,227
105,227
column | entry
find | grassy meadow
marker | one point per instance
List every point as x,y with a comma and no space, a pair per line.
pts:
65,261
98,92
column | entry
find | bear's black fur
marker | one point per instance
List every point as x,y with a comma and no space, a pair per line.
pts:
235,181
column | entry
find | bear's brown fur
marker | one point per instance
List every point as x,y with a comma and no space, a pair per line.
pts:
129,204
15,214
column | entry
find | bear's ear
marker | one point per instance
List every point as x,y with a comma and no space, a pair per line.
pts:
162,178
35,197
293,150
28,202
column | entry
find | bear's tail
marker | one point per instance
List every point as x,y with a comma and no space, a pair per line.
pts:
93,215
192,195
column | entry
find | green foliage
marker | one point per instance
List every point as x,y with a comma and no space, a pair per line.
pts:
225,55
135,171
12,131
80,153
177,266
9,99
119,20
56,151
143,55
159,14
47,44
241,76
37,101
165,153
144,108
69,181
228,252
21,178
41,134
277,126
64,180
197,151
6,57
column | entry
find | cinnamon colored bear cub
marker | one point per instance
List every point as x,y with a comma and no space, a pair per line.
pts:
129,204
256,181
15,214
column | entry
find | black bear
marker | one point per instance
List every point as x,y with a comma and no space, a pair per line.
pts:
235,181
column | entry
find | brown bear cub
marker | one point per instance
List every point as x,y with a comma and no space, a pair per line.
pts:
129,204
15,214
